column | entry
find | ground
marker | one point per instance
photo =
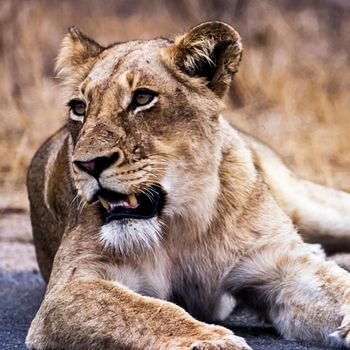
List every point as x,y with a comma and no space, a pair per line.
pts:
22,287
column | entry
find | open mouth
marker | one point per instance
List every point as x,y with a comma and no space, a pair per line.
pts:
117,206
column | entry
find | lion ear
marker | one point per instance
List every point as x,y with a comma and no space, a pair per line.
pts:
211,51
76,51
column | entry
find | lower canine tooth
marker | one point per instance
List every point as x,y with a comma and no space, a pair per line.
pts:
104,203
133,200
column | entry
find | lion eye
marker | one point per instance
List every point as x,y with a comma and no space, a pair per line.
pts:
142,97
77,109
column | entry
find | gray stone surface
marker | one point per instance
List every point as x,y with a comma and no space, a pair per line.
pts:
20,297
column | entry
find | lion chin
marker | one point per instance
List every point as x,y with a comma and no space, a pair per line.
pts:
131,236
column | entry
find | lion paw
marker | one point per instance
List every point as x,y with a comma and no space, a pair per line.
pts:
228,343
212,338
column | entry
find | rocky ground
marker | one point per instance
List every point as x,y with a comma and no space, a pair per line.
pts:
22,288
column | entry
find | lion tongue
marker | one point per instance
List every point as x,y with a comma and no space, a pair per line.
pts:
126,202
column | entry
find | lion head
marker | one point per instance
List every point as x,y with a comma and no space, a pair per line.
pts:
144,120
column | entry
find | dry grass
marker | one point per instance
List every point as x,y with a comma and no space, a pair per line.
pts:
292,90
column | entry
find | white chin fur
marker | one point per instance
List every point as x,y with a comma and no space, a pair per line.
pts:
131,236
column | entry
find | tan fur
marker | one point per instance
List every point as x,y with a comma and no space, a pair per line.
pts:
224,231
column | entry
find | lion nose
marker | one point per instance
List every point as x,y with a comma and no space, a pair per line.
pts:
95,166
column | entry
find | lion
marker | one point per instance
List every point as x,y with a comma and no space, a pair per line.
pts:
152,215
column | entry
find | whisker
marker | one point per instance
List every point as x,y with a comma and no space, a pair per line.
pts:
145,192
74,198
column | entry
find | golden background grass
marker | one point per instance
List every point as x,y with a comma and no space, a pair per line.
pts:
292,90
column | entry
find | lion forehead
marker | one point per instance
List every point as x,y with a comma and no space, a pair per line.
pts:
132,55
103,69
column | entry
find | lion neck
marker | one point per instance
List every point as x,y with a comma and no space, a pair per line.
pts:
218,197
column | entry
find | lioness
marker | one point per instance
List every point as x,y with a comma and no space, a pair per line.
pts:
148,198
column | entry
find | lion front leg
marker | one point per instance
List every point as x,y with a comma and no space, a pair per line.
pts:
84,309
96,314
306,298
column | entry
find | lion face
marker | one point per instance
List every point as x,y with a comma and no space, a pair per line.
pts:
143,116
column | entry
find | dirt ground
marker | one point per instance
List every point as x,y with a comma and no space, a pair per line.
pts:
16,247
